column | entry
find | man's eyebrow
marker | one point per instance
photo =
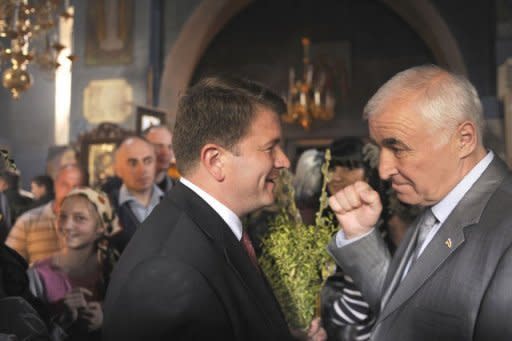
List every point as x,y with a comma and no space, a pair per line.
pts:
393,142
272,143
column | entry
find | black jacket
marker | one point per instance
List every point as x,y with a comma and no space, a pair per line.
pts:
184,276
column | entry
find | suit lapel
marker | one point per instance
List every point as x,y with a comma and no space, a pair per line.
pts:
449,237
229,249
403,253
252,279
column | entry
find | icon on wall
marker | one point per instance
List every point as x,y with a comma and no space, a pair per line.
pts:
109,32
147,117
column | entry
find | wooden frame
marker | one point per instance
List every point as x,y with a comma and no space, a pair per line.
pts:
147,117
108,41
97,149
98,160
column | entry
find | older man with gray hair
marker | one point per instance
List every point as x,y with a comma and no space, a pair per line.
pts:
450,277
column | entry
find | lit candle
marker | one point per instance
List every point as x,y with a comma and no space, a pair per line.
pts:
302,99
309,74
317,97
291,77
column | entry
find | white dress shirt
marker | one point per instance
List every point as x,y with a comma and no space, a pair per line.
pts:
233,221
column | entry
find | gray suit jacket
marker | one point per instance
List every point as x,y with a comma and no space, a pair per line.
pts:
461,286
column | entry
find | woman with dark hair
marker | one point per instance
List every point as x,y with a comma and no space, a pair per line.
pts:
73,281
42,189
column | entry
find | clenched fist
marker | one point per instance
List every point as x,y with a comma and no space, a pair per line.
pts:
357,208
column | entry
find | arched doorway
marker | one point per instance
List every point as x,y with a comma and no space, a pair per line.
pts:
211,16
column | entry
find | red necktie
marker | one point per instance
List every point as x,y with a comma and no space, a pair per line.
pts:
247,244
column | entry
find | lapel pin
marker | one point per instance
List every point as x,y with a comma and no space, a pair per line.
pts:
448,243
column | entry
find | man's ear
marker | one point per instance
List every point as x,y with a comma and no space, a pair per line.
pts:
467,138
212,159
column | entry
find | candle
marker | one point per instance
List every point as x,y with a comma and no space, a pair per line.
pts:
317,97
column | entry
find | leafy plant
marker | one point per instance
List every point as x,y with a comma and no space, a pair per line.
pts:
294,256
7,162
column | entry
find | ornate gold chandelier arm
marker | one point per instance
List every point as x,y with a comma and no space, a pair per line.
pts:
24,22
308,99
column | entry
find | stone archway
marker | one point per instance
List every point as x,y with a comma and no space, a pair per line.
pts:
211,16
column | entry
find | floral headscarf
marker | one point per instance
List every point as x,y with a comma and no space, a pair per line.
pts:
102,204
107,255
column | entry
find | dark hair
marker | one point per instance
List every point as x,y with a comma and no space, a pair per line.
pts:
45,181
350,152
218,110
347,152
11,178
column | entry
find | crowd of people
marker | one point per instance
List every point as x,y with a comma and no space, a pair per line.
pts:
423,251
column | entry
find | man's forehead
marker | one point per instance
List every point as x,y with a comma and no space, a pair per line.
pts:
398,124
139,154
135,145
69,172
159,133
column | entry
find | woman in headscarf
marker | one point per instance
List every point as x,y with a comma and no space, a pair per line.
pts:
73,281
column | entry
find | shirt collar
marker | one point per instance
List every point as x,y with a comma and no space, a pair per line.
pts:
225,213
442,209
125,196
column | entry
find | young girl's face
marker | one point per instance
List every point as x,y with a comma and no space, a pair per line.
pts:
78,222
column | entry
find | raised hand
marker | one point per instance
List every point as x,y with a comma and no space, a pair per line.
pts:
357,208
316,332
93,314
75,302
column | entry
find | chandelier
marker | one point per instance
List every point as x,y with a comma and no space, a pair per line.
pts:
28,31
308,98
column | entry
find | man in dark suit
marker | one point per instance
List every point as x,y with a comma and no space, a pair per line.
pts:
190,272
450,278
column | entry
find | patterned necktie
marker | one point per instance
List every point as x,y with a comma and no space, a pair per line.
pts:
247,244
425,226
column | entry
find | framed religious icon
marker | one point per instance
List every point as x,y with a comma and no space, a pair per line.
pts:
97,149
99,161
110,32
147,117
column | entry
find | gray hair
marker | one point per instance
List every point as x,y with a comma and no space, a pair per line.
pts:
442,98
308,175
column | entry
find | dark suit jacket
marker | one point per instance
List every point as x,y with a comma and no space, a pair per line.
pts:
461,286
184,276
127,219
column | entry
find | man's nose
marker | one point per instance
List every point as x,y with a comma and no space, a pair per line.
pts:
387,166
281,160
66,224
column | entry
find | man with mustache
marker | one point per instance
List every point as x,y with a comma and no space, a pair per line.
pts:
190,273
450,278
